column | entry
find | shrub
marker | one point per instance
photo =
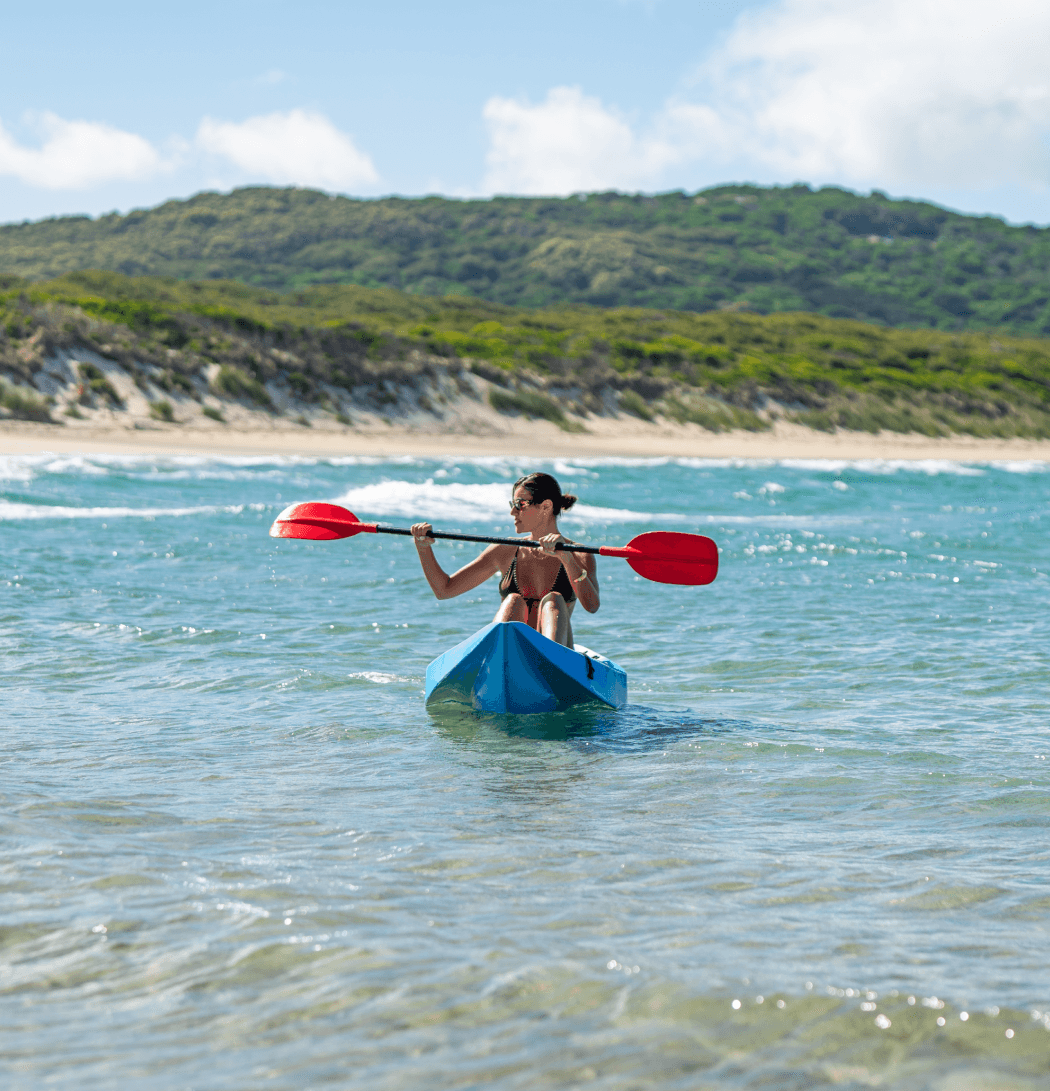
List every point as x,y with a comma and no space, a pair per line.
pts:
491,372
714,419
95,382
23,404
530,404
300,383
162,411
749,421
714,416
210,411
636,404
235,383
171,381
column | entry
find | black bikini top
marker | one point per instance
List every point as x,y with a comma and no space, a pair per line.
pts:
509,585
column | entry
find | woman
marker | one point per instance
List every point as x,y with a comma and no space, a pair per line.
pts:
539,586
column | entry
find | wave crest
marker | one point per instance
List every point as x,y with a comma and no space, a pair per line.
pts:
481,503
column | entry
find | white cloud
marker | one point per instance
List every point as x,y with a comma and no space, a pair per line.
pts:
893,93
568,143
294,148
78,154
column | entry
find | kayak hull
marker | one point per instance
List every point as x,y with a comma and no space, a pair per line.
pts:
509,667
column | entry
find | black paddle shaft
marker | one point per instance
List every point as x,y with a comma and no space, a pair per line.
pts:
491,541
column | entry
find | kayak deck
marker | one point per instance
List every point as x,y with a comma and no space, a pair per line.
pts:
509,667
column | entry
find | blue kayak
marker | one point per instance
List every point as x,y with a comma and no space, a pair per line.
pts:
509,667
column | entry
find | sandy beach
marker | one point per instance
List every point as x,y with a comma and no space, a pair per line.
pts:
536,439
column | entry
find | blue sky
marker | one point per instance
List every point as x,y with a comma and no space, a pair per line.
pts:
118,105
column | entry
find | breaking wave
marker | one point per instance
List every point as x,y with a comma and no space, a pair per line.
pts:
464,502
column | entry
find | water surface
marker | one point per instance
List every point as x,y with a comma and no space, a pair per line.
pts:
239,853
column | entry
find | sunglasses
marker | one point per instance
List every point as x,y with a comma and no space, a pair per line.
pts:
517,505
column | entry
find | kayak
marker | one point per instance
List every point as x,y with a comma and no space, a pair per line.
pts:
509,667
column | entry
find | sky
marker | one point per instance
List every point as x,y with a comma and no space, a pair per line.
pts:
116,105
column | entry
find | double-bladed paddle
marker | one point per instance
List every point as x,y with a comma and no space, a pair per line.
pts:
664,556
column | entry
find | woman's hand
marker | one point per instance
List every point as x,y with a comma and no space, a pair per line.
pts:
569,561
421,534
550,541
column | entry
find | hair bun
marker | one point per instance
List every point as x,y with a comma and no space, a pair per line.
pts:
543,487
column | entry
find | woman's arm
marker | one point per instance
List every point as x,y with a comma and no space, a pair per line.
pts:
471,575
580,568
586,583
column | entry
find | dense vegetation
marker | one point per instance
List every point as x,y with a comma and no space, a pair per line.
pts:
765,250
720,369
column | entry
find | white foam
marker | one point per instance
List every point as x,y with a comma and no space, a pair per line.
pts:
27,467
929,466
452,504
567,469
381,678
460,502
10,512
783,519
1021,466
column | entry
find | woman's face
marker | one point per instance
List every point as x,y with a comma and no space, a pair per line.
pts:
529,516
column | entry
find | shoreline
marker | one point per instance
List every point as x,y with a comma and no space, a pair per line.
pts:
536,439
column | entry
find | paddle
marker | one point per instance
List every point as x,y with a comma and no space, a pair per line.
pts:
663,556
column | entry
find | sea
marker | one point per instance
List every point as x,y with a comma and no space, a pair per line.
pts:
238,852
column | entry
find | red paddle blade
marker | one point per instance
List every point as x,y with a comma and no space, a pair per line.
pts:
318,522
668,556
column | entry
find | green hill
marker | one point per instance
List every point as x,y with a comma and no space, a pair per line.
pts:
764,250
342,348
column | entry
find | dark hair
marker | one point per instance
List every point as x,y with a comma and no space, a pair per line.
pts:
544,487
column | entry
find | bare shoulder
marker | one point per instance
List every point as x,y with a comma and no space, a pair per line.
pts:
487,563
500,556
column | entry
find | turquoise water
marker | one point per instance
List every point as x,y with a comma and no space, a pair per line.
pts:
239,853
